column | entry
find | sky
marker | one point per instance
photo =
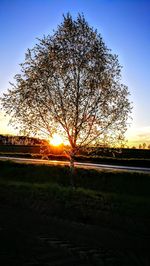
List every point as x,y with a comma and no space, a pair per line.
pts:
124,26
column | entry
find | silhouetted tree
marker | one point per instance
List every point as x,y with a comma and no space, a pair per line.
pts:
70,82
144,145
140,146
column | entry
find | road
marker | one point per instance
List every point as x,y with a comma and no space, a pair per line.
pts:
78,164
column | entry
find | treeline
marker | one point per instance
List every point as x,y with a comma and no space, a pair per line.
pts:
119,153
41,148
20,140
41,151
143,146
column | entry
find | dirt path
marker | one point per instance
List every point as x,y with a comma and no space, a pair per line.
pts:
29,238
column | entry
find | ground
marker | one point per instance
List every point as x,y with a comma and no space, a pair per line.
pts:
29,237
43,221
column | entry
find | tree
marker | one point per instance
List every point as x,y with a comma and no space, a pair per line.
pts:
144,145
140,146
71,83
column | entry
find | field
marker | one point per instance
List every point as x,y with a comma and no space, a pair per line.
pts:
108,209
127,157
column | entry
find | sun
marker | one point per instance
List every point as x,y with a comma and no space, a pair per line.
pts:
56,140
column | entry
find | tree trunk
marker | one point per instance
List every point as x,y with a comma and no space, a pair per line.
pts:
72,172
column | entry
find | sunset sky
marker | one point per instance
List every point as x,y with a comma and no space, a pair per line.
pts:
123,24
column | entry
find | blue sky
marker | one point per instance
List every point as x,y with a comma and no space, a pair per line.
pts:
123,24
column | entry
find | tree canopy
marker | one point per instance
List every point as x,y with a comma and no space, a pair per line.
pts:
70,82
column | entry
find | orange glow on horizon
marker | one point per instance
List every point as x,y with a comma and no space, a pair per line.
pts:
56,140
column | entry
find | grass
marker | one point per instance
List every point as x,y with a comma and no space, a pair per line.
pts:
100,196
120,182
